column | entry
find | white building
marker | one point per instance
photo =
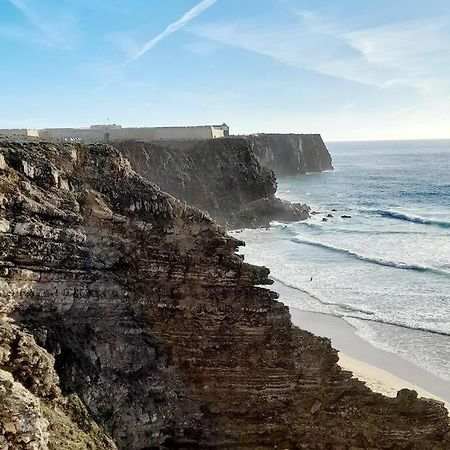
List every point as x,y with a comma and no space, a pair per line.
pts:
19,132
112,132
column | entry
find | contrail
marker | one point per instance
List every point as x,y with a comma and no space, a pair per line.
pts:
180,23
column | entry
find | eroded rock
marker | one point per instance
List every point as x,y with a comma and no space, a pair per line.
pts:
160,329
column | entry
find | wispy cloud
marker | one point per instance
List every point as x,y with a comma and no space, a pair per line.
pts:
21,34
50,32
414,54
201,47
172,28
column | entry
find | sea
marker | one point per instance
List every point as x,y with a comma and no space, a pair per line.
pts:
384,269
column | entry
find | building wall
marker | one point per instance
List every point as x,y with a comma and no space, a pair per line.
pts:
224,128
200,132
19,132
84,134
99,132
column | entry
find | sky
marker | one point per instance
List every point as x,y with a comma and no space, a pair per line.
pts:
348,69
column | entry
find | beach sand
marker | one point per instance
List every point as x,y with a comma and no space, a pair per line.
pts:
380,380
382,371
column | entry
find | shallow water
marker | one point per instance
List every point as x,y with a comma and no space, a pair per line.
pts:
385,270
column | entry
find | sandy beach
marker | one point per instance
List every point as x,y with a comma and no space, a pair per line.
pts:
382,371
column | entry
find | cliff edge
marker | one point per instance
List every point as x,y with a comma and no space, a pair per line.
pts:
221,176
138,305
291,154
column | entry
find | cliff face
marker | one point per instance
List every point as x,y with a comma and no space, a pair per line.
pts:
158,326
291,154
221,176
33,413
217,175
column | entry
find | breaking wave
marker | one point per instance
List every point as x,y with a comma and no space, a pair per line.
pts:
345,311
342,306
327,227
411,218
381,262
400,324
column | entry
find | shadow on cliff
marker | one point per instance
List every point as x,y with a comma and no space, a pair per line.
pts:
161,329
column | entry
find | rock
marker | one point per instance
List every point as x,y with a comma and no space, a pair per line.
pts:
4,226
324,219
221,176
291,154
33,414
224,176
158,329
346,216
329,215
334,210
21,420
267,209
2,163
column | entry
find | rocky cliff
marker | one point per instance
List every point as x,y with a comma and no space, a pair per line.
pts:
221,176
139,306
291,154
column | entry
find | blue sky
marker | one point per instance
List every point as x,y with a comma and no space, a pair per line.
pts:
349,69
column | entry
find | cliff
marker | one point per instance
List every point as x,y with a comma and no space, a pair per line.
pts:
221,176
139,306
291,154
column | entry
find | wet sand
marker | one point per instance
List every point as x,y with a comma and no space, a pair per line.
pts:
382,371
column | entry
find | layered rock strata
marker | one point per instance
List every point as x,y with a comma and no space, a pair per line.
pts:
33,413
291,154
159,327
221,176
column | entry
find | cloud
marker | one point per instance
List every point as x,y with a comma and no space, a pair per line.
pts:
128,44
19,34
49,32
202,48
172,28
415,54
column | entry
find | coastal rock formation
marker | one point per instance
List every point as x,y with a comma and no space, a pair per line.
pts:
221,176
33,413
159,327
291,154
265,210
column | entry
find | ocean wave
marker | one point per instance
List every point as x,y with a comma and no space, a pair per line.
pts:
327,227
342,306
401,325
344,311
411,218
368,259
276,224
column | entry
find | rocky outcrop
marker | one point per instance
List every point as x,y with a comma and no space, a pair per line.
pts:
291,154
221,176
33,413
265,210
159,327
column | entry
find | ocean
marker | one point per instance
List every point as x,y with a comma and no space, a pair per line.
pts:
386,269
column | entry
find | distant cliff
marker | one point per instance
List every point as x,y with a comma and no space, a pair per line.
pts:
291,154
137,307
221,176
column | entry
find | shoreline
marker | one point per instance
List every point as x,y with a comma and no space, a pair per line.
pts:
382,371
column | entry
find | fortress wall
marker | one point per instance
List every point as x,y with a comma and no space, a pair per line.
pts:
86,134
19,132
146,133
98,133
217,132
201,132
